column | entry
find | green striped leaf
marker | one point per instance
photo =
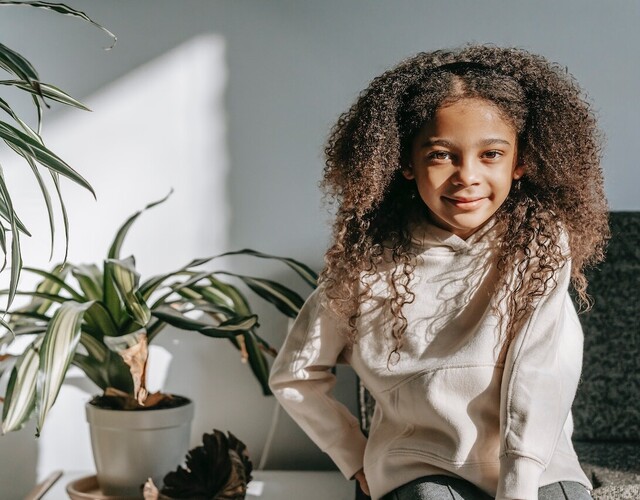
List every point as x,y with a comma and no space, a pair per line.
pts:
46,90
4,105
63,209
4,213
16,252
126,280
123,342
99,319
3,246
228,294
95,348
29,330
176,318
47,296
232,326
43,190
14,63
92,369
47,291
257,361
54,281
58,349
208,307
304,271
114,251
61,9
89,277
41,154
21,390
286,301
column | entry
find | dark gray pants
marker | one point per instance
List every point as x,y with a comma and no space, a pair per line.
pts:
447,488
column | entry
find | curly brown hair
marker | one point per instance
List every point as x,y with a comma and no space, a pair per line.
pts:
560,196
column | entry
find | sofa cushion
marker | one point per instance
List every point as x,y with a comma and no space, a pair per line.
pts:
613,468
606,405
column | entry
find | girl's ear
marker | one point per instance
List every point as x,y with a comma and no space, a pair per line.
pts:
407,172
518,172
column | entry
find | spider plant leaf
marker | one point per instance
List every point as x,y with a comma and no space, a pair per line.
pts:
304,271
286,301
21,391
91,368
30,330
234,325
226,294
101,322
54,281
27,317
51,285
46,296
257,361
41,154
45,193
4,213
14,63
58,348
114,251
209,307
65,218
61,9
27,129
89,277
16,251
46,90
122,342
154,328
177,319
95,347
177,287
126,280
118,373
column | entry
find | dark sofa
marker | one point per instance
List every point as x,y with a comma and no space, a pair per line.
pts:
606,410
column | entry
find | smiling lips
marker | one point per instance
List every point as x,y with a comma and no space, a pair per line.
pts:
465,203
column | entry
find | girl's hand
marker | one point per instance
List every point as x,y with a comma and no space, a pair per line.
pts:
364,486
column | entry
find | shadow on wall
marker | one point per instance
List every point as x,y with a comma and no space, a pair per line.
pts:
161,126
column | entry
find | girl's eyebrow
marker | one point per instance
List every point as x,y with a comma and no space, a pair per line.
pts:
448,144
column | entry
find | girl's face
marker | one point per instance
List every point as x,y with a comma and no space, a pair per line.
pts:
463,162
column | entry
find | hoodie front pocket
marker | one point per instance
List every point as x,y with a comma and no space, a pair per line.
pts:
453,413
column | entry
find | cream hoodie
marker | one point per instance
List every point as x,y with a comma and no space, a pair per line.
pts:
447,406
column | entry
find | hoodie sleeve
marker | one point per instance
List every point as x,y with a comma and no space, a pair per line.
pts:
302,381
541,374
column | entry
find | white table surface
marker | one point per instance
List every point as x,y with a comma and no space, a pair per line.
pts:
277,485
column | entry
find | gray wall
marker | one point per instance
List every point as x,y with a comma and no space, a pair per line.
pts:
294,65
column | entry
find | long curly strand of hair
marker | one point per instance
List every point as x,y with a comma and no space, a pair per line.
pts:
558,205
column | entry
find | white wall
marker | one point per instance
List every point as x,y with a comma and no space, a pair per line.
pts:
293,66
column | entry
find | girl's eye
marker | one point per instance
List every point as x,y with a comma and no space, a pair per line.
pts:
492,155
439,155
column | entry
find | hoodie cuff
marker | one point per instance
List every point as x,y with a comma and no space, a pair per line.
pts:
348,452
519,478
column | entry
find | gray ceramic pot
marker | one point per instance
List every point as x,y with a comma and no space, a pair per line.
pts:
131,446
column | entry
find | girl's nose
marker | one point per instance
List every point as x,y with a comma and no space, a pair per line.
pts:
466,173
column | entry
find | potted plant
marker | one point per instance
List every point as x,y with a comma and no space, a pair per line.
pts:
102,319
28,143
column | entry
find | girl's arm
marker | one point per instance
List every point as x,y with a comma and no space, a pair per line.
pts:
539,383
302,381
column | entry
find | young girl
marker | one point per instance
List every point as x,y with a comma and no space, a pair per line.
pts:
470,197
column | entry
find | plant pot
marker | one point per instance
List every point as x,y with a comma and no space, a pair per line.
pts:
131,446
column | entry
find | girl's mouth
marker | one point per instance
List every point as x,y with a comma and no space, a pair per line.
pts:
465,203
